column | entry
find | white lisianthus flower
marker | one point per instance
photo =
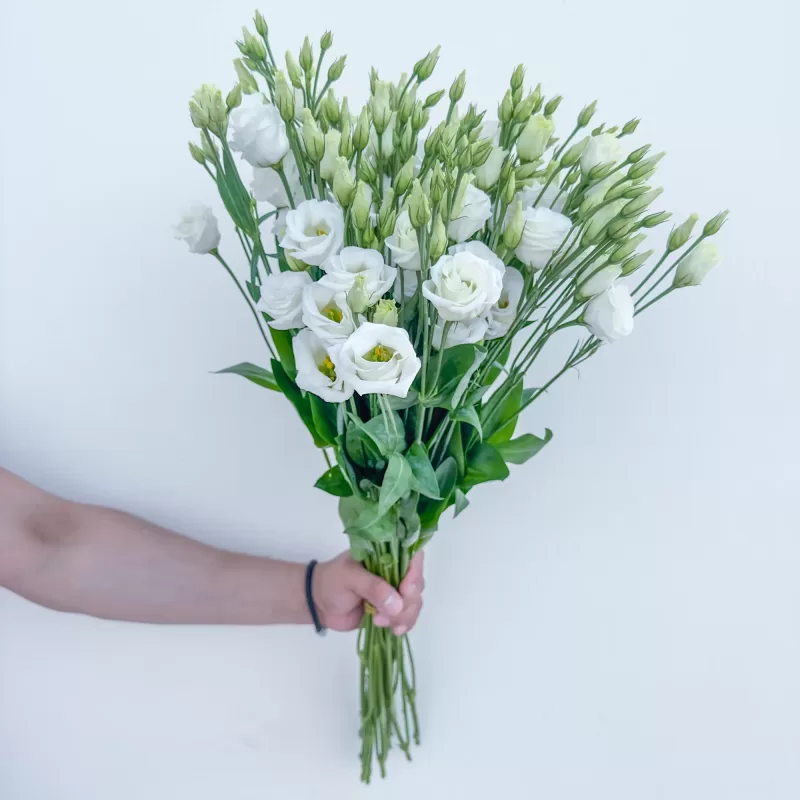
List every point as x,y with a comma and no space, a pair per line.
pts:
327,167
543,232
410,280
503,313
316,368
268,187
327,313
199,228
601,149
378,359
258,132
481,250
470,332
282,298
404,244
550,198
314,231
593,281
463,286
609,316
473,216
342,270
692,269
486,174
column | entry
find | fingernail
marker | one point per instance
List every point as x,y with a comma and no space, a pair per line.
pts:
399,630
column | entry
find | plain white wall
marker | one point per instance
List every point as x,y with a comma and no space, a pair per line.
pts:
620,620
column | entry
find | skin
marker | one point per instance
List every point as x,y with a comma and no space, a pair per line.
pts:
104,563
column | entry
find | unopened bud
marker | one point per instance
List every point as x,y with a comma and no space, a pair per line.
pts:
586,114
293,71
197,153
423,69
630,265
653,220
367,171
624,250
516,95
637,155
681,234
406,105
360,209
295,264
620,228
695,265
361,132
381,106
518,76
326,41
234,97
512,235
438,239
600,171
358,297
630,126
644,168
457,87
715,223
432,99
438,184
312,137
524,110
307,56
419,209
344,187
385,313
252,47
246,79
552,106
336,69
404,177
505,111
464,154
639,204
573,153
419,116
539,99
260,23
209,148
526,171
208,110
284,97
509,189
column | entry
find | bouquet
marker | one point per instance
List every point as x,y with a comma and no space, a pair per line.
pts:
405,276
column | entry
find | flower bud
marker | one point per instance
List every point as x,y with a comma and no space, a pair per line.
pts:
404,177
586,114
518,76
326,41
573,153
407,105
246,79
197,153
423,69
209,148
336,69
512,235
381,107
358,296
284,97
344,187
625,249
481,151
506,108
312,137
419,116
599,221
295,265
695,265
538,98
534,137
260,23
715,223
360,209
438,185
252,47
457,87
637,155
620,228
644,168
623,188
681,234
329,106
516,95
361,132
367,171
552,106
234,97
524,110
639,204
464,154
656,219
458,200
293,71
385,313
432,99
600,171
419,209
630,126
509,189
438,239
630,265
526,171
307,56
208,110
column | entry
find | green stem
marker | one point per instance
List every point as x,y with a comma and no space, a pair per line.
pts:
285,181
654,300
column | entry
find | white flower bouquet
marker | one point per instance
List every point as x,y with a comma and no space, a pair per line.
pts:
405,277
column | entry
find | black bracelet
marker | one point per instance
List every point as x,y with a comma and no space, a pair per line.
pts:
310,598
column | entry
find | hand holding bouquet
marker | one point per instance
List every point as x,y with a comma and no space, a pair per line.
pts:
405,276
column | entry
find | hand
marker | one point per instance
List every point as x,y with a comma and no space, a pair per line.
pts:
341,586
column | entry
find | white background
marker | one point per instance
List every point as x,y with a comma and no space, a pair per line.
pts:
620,620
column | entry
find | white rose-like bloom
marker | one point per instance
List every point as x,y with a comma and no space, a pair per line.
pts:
486,174
473,216
316,368
593,281
282,298
529,194
470,332
258,132
198,227
404,243
314,231
601,149
409,283
327,313
692,269
378,359
609,316
268,187
481,250
543,232
327,167
463,286
503,313
342,270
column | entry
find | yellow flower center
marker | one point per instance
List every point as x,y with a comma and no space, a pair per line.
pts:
503,302
332,312
379,353
327,368
320,229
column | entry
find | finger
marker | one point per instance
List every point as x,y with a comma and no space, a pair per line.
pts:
414,582
406,620
381,620
373,589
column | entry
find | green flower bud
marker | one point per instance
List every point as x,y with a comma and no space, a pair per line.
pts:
715,223
438,239
407,105
681,234
336,69
432,141
481,151
361,133
656,219
458,200
252,47
197,153
307,56
457,87
509,189
261,24
624,250
344,187
538,98
586,114
534,137
326,41
360,209
381,107
505,111
432,99
630,265
512,235
627,190
644,168
312,137
613,129
695,265
385,313
637,155
516,96
404,141
464,154
419,116
208,110
526,171
600,171
404,177
552,106
639,204
330,108
295,264
419,209
358,297
524,110
284,97
518,76
599,220
209,148
438,185
630,126
387,214
246,79
423,69
234,98
573,153
367,171
599,129
293,71
373,79
620,228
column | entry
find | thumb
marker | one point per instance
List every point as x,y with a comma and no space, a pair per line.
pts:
375,590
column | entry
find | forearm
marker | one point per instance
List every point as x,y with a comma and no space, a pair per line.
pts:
108,564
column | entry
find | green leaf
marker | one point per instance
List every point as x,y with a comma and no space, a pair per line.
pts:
462,501
400,403
361,449
264,217
365,520
470,416
283,344
519,450
498,364
387,432
500,420
301,403
431,510
258,375
459,364
397,482
455,448
485,464
236,198
324,416
424,477
254,290
334,482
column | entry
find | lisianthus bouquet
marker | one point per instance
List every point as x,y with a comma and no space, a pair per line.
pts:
405,276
